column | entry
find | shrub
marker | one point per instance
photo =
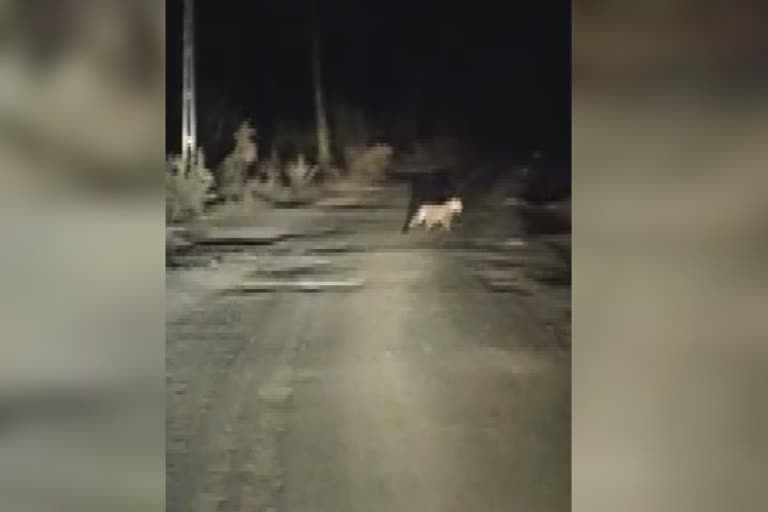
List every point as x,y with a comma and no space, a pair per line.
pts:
186,193
233,170
292,183
268,171
299,174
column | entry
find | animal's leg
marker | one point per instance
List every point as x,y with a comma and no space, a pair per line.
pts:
453,217
409,223
413,206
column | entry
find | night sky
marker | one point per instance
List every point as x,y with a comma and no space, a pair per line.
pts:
494,73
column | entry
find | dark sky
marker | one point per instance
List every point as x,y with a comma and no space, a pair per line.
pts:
489,71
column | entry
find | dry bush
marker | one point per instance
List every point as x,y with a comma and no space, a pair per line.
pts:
278,194
268,171
186,193
233,170
285,183
300,175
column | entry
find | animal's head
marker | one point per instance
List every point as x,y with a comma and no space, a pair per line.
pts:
455,205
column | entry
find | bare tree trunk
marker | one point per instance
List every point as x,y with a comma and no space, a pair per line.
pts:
323,136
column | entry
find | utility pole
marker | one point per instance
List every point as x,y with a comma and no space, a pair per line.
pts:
188,116
323,137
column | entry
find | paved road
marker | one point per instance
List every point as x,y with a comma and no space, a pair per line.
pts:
417,373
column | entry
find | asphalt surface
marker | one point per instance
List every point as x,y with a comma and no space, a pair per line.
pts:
326,362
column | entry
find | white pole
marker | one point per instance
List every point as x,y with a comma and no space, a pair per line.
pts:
188,120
